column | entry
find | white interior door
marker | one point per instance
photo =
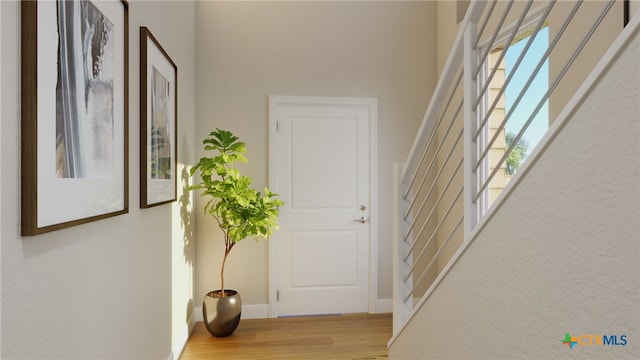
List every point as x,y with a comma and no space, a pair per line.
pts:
321,165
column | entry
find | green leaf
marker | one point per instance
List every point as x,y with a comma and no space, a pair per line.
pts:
240,211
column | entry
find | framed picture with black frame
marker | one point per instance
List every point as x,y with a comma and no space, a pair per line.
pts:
74,113
158,122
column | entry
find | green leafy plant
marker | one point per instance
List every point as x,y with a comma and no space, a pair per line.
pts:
240,211
517,155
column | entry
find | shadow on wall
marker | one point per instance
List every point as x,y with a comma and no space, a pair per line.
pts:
186,220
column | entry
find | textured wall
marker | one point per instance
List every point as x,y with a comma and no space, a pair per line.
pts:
250,50
104,289
560,255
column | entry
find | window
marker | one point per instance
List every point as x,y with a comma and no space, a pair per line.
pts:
515,113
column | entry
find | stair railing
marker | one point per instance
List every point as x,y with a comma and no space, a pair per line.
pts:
446,187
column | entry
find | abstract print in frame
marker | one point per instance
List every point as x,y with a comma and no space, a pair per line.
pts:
158,123
74,113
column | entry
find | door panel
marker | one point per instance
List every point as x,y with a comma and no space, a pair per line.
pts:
319,180
313,250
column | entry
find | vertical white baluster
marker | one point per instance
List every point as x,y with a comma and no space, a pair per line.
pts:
401,309
471,208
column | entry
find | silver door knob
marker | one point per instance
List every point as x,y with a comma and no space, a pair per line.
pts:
361,220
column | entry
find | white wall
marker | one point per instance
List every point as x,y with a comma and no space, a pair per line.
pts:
247,51
560,254
173,25
104,289
447,30
634,7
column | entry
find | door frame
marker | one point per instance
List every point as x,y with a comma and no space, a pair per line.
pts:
372,104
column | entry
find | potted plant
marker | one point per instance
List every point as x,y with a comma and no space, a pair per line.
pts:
240,212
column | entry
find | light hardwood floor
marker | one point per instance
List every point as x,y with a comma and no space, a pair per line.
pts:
353,336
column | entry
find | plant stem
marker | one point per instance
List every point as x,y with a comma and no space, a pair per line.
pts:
227,250
224,260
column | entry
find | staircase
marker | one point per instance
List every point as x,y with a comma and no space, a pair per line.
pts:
495,265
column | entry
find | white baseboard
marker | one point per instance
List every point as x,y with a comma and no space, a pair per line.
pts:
185,332
384,306
260,311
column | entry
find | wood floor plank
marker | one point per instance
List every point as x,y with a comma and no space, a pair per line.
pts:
353,336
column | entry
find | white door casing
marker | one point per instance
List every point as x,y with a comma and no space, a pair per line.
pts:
322,162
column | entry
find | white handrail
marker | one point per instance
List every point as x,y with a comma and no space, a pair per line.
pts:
448,73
